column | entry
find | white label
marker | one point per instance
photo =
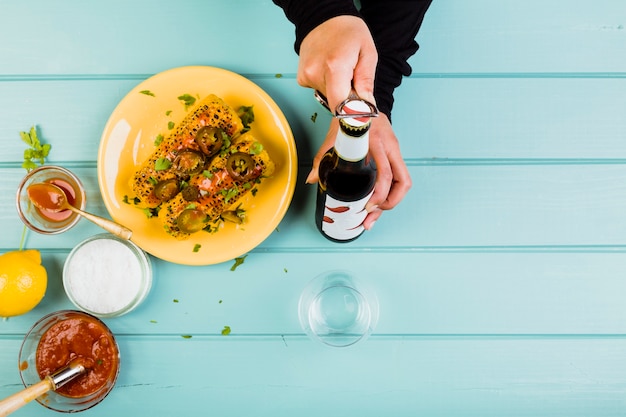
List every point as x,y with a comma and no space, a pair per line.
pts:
344,220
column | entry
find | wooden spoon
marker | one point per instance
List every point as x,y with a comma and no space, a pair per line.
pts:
49,197
49,383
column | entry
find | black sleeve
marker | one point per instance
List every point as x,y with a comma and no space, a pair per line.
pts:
307,14
394,25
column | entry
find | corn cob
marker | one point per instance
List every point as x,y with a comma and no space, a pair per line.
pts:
213,112
218,190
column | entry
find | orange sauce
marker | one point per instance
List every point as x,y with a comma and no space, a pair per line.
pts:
83,338
48,213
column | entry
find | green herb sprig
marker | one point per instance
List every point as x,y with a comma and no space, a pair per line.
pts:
36,153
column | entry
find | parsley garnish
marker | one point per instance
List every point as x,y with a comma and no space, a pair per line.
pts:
226,331
162,164
196,247
246,114
148,93
238,261
170,125
187,99
186,336
158,140
36,152
256,148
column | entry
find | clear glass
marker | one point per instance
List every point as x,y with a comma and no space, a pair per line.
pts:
106,260
337,309
28,366
31,216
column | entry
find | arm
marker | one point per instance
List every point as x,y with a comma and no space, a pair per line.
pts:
394,25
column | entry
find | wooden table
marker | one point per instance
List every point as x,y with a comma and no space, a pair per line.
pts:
501,277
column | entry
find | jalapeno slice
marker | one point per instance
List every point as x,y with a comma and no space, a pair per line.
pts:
191,193
188,162
191,220
166,190
240,166
210,140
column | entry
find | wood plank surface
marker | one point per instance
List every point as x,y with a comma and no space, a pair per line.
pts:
500,276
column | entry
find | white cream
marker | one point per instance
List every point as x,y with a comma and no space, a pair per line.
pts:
103,276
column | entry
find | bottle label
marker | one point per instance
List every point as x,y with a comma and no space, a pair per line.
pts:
344,220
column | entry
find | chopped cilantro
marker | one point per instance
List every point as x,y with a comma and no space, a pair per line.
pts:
158,140
229,193
226,331
196,247
246,114
148,93
36,152
167,113
149,213
188,100
206,173
175,300
256,148
285,269
278,75
162,164
238,261
170,125
219,302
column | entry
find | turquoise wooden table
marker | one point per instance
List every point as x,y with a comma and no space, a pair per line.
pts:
501,277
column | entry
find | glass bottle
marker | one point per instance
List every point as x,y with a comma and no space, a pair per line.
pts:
346,177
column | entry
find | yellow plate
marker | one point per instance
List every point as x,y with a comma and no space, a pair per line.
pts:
128,139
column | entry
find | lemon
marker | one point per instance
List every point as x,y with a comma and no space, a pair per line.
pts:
23,282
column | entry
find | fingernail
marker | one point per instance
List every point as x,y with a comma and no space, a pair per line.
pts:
371,225
370,208
310,178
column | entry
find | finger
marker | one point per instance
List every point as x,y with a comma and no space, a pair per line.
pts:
328,143
400,185
371,218
364,73
338,87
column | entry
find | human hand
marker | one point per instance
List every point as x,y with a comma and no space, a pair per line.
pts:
336,56
393,180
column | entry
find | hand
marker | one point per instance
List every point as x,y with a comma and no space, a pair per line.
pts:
393,180
336,56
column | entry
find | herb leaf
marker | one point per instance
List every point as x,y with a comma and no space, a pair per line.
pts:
148,93
246,114
238,261
162,164
187,99
36,152
226,331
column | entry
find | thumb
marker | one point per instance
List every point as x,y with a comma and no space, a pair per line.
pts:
364,74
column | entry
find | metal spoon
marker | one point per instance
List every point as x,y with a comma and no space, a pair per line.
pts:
49,197
51,382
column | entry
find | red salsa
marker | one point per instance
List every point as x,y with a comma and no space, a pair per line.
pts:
83,338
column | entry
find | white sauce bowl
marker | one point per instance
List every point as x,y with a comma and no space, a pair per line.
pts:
107,276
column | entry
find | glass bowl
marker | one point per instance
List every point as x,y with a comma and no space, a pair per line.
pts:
63,399
44,222
107,276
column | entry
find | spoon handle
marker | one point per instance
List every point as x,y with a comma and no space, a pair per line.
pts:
19,399
108,225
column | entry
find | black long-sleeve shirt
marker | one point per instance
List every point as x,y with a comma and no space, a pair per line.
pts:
393,24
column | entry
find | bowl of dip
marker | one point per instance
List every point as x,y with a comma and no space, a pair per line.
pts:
45,221
107,276
64,336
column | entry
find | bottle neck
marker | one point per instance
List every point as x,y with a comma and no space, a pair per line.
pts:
352,142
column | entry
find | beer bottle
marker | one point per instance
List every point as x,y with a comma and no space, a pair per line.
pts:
346,176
